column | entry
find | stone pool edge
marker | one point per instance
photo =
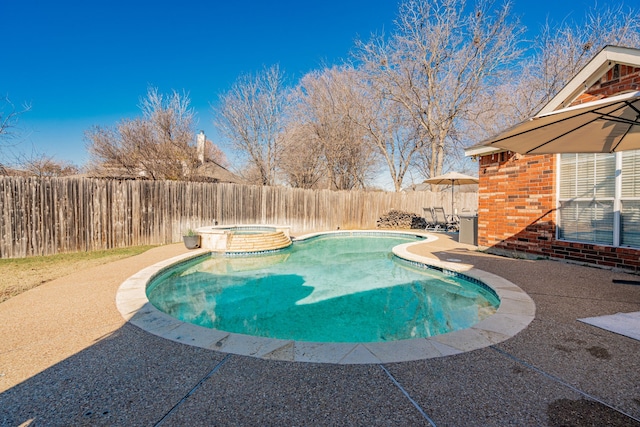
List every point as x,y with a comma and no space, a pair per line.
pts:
515,312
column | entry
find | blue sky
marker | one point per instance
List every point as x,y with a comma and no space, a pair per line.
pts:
84,63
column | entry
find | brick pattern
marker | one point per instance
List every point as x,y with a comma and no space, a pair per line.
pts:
517,213
621,78
516,201
516,206
607,256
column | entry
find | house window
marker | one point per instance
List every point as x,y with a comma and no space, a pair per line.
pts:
630,199
599,198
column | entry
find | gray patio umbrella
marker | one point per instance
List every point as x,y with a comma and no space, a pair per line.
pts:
604,126
452,178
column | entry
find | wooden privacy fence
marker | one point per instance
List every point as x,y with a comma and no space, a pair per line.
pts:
42,216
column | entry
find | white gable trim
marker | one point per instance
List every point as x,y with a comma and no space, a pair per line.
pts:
590,73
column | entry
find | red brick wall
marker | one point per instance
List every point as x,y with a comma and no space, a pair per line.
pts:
516,205
517,213
516,202
617,80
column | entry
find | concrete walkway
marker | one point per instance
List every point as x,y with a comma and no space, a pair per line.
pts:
67,357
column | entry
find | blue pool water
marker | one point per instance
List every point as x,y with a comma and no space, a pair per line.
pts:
328,289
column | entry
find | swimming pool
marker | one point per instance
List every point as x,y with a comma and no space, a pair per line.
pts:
514,314
330,288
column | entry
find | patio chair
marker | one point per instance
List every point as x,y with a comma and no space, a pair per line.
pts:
430,219
443,221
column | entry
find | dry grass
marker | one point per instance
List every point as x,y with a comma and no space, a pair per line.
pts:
20,275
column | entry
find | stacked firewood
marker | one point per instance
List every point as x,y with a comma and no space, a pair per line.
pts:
400,219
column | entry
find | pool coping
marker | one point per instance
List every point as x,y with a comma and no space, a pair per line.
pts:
515,312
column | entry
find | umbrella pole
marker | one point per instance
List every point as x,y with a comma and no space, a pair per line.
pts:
452,211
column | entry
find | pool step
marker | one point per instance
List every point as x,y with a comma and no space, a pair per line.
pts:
257,242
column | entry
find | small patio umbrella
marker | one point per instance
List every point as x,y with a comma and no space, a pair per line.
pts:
452,178
604,126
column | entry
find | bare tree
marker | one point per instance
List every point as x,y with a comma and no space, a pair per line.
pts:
250,116
390,130
330,105
9,117
43,165
213,153
301,163
436,62
556,55
158,145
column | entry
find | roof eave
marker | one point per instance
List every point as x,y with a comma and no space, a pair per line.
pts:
481,150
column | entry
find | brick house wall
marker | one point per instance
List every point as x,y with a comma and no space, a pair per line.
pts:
517,198
516,202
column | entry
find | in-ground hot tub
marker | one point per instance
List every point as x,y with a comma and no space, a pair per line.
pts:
216,238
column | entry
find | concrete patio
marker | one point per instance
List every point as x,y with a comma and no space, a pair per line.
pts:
67,357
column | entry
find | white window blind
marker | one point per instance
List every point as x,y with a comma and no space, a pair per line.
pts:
630,199
587,192
587,176
588,196
630,223
630,174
